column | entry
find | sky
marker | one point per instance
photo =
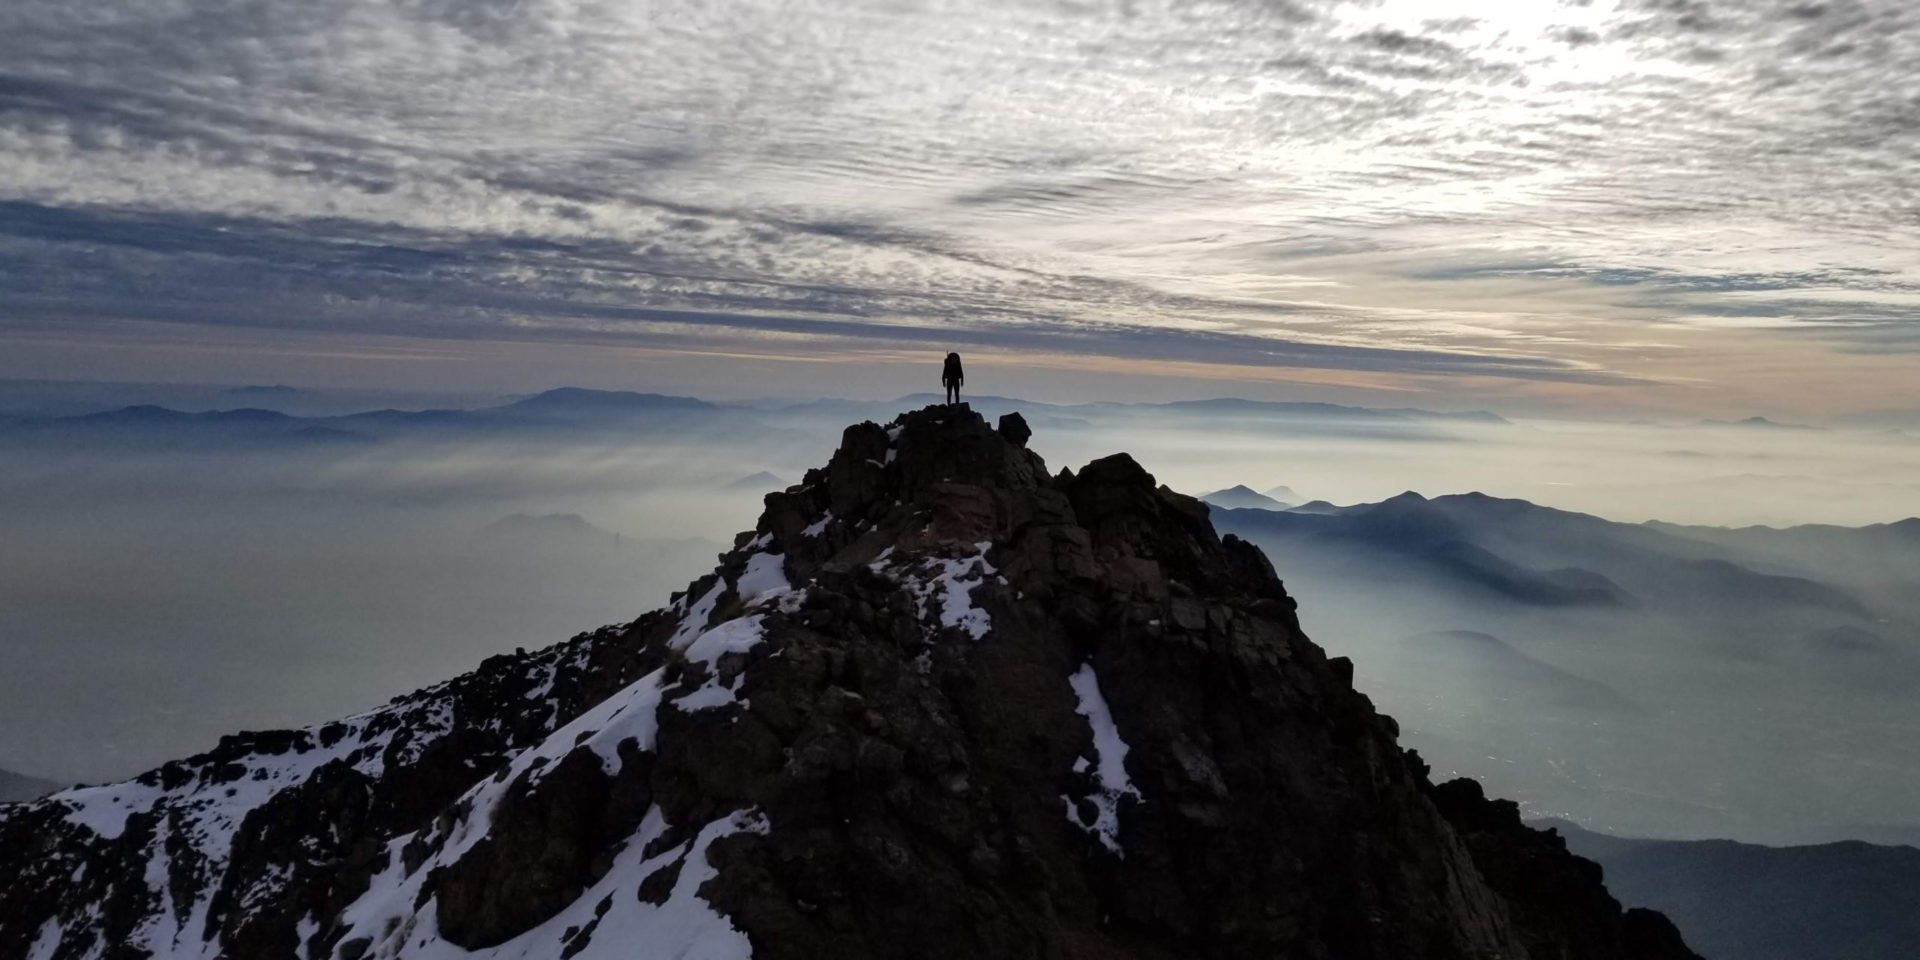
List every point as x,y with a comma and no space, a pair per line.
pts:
1584,208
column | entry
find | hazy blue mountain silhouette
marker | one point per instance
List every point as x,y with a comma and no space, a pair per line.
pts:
579,401
15,787
1738,901
1761,422
1242,496
562,413
1434,536
760,482
1316,506
1196,412
563,410
146,425
1810,641
1505,672
566,526
1876,550
1540,555
571,412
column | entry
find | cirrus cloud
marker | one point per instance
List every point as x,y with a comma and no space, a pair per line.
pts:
1427,189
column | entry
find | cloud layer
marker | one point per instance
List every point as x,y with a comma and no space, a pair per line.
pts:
1578,194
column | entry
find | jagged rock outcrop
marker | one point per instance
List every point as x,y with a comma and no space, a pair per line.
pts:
939,703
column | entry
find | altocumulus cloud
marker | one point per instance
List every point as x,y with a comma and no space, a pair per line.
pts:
1409,187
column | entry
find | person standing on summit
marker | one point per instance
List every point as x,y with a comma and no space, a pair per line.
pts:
951,377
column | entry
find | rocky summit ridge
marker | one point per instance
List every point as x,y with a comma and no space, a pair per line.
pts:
938,703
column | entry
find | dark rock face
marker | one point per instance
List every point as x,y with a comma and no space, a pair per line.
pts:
548,845
1552,891
938,704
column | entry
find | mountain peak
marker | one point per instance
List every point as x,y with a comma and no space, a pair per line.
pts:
1242,496
937,703
1759,421
758,480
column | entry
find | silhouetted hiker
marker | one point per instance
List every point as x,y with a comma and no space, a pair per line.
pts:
951,377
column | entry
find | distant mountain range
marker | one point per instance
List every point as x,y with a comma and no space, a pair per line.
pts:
558,525
1241,497
574,402
16,787
1501,546
1524,682
1762,422
566,412
1590,666
527,534
572,410
1738,901
760,482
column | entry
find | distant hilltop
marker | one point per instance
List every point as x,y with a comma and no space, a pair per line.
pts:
1243,497
1759,422
16,787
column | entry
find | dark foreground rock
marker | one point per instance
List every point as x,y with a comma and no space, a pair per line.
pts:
938,703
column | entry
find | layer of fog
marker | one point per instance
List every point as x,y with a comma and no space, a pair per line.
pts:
154,602
1769,725
160,595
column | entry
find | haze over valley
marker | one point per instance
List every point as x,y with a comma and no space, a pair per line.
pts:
176,575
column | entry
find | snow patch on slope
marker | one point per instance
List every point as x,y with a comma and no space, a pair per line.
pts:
1109,766
627,715
216,801
766,574
390,899
738,635
942,588
162,927
819,526
685,926
681,927
105,809
202,812
46,943
697,616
